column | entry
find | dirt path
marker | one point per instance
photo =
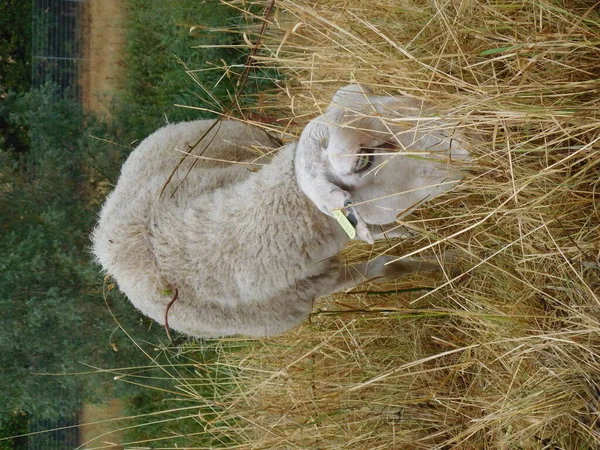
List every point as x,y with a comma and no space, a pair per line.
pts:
104,44
101,433
102,75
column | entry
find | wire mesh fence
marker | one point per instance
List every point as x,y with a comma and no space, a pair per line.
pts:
59,434
58,57
58,44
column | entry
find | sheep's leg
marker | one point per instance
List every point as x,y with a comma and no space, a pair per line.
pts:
286,309
390,231
376,270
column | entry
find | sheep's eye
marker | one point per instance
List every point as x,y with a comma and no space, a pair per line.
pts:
363,162
324,143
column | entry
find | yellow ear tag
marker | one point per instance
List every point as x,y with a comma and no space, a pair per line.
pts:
344,223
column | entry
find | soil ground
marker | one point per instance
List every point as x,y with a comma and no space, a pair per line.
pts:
102,75
104,43
100,434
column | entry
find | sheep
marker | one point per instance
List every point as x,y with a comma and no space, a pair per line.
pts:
247,252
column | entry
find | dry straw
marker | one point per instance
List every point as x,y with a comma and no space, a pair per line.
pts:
504,356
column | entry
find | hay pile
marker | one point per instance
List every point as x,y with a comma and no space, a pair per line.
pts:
505,356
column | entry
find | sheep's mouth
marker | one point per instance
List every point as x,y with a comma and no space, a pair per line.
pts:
385,146
388,146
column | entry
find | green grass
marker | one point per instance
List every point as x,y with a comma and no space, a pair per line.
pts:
159,48
182,61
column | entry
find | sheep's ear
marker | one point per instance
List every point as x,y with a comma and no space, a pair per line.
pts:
357,107
352,95
314,178
346,100
335,202
353,101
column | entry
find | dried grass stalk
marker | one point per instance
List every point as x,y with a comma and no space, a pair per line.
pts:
506,355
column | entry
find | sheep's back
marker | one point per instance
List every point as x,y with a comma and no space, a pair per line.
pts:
123,240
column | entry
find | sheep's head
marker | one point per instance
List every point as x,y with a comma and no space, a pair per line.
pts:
375,157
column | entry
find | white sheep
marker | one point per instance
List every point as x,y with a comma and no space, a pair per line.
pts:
248,252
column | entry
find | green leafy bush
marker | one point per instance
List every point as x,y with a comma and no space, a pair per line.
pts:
55,321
